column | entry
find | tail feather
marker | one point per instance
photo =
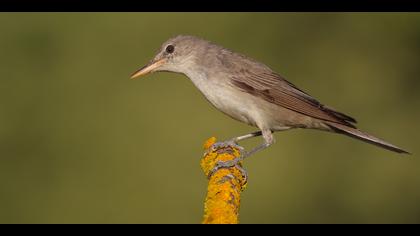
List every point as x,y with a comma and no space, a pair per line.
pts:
355,133
339,115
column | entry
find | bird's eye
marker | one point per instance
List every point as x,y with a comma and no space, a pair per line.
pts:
170,49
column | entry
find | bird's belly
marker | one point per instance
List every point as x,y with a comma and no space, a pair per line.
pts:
239,108
245,107
232,103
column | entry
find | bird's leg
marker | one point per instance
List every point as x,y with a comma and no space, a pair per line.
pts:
268,140
233,142
246,136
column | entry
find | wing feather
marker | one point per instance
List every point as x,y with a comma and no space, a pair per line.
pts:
275,89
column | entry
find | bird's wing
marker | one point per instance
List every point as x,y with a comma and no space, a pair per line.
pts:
275,89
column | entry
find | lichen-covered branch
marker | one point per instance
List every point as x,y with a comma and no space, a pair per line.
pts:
225,185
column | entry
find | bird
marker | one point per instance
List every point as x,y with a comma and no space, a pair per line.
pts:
251,92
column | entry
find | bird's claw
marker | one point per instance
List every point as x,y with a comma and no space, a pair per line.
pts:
225,144
228,164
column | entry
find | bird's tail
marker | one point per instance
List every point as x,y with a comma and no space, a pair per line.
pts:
355,133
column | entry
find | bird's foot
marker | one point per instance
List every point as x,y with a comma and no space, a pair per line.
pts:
230,163
225,144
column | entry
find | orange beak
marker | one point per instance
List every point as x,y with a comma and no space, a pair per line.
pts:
148,68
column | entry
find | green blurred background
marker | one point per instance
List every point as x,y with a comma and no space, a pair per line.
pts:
82,143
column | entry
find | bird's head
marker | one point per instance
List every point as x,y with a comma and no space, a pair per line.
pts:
175,55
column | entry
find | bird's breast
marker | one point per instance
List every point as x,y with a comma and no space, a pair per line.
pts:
227,99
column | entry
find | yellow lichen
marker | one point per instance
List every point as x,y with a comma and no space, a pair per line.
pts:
209,142
225,186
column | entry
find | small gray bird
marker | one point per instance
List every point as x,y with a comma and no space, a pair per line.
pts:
251,92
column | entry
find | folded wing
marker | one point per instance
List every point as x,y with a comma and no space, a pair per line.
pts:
275,89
